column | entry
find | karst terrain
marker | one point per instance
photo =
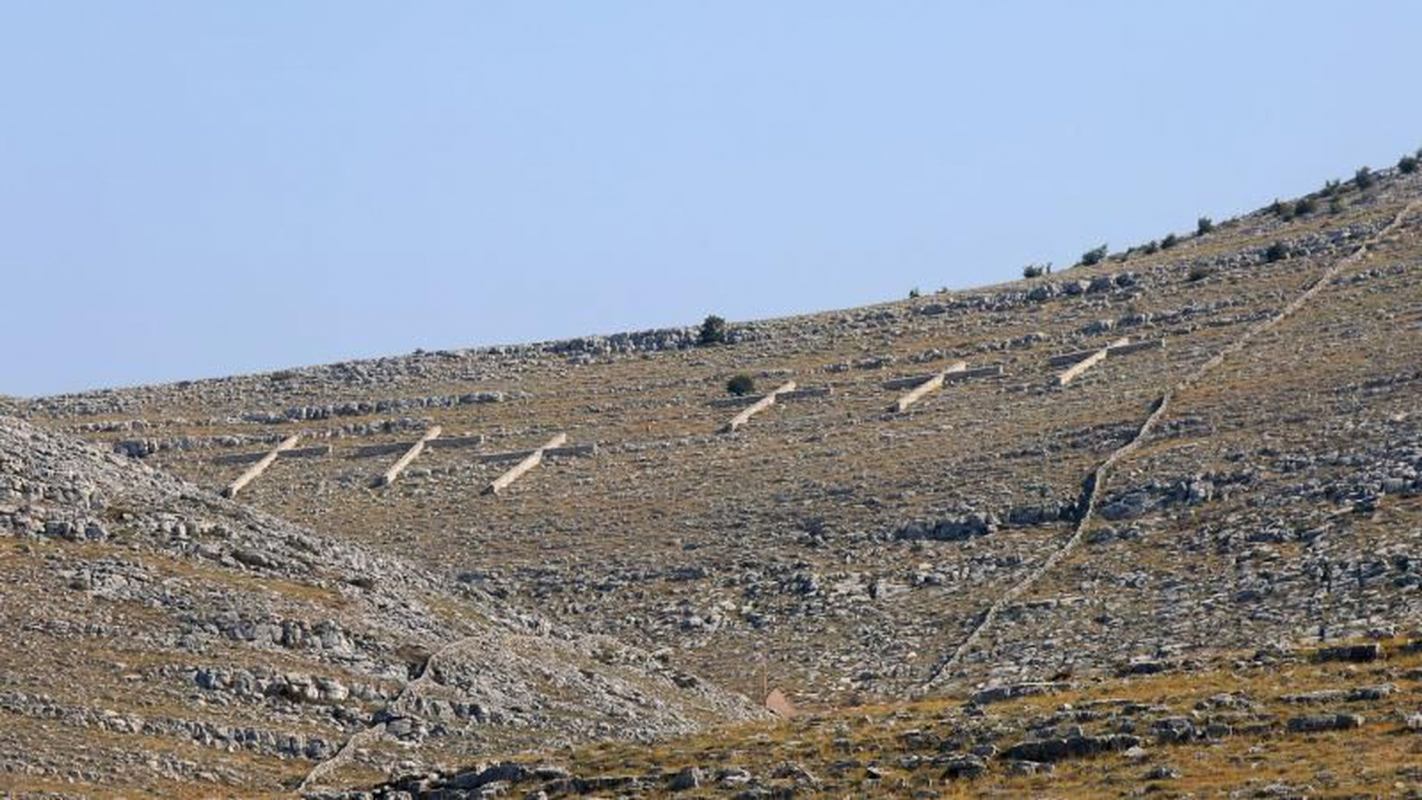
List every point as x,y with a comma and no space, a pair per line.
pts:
1147,526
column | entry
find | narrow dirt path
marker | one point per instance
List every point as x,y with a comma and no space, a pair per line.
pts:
1092,486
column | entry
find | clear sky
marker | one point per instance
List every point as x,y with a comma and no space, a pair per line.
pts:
193,189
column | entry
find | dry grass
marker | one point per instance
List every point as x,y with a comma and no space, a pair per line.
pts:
1370,761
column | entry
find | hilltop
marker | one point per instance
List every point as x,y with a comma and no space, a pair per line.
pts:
1174,471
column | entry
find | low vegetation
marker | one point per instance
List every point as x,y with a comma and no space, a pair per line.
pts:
713,331
1093,256
740,385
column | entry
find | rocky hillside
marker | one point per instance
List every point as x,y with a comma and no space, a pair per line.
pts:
164,641
1201,445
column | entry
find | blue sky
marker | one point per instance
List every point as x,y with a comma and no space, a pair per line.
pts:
198,189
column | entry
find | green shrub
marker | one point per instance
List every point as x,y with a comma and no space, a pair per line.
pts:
1036,270
1204,225
1169,241
1364,178
1335,205
1093,256
740,385
713,330
1330,188
1150,247
914,293
1407,165
1279,209
1305,205
1278,251
1200,272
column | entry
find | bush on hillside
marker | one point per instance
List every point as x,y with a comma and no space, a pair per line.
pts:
1407,165
1278,251
1200,272
1204,225
1093,256
713,331
1364,178
1305,205
1169,241
740,385
1330,188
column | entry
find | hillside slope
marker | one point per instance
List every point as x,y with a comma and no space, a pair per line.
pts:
162,640
1243,473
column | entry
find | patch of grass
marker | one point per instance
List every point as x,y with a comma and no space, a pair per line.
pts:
836,745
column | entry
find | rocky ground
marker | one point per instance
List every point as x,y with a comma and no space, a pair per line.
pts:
161,640
1006,529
